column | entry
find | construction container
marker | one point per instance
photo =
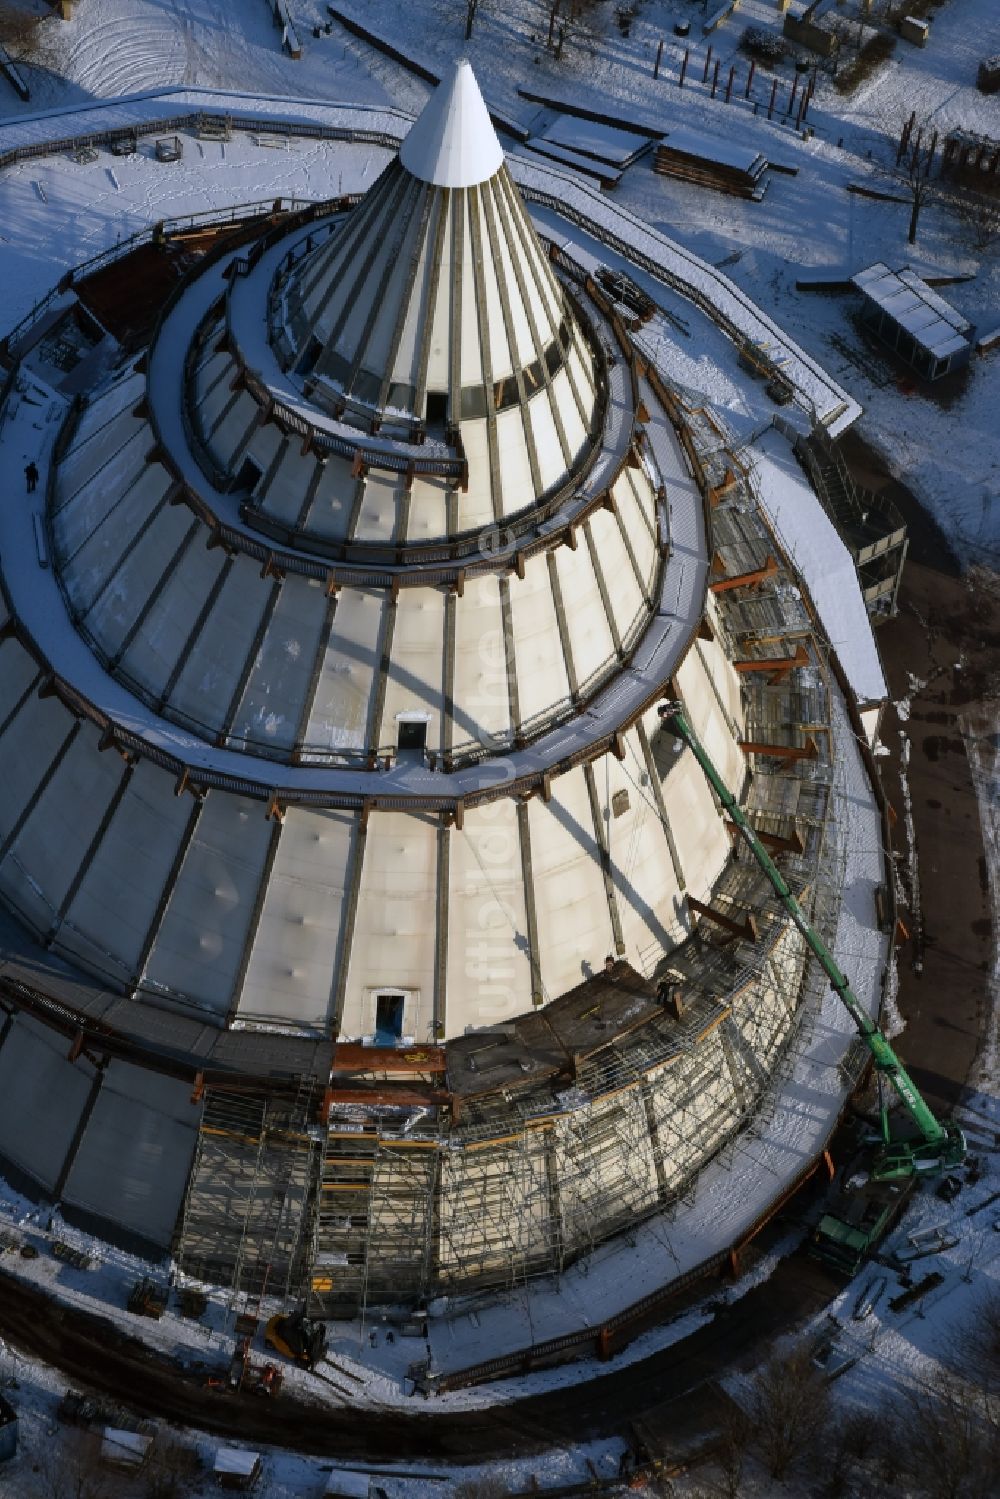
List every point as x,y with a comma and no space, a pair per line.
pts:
913,29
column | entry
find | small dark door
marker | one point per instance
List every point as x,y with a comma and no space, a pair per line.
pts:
389,1018
412,734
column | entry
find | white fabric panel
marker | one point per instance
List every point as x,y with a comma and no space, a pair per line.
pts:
212,670
211,403
624,593
114,612
42,1096
590,638
650,904
79,517
17,669
408,353
379,511
551,465
378,349
489,970
339,715
383,239
524,247
727,681
133,1161
428,513
200,943
292,968
233,428
637,516
573,426
330,511
394,933
481,695
102,551
440,319
541,668
47,853
699,835
582,374
274,699
470,358
27,750
151,656
515,469
120,394
286,490
120,448
475,509
416,663
501,362
706,716
525,348
211,369
574,923
266,441
112,910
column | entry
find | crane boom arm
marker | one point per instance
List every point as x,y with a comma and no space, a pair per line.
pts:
932,1132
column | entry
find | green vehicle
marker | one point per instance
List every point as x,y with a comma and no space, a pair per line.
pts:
861,1216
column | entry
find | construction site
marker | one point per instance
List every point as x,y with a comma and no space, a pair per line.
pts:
438,753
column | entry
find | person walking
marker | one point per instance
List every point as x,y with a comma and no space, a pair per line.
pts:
31,475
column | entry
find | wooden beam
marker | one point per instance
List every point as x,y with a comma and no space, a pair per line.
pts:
746,580
807,751
746,930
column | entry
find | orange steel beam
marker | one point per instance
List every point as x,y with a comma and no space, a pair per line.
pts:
791,845
747,929
349,1056
807,751
745,580
776,665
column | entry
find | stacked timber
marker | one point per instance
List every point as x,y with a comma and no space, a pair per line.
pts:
728,168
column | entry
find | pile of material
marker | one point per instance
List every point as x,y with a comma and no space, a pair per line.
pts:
712,163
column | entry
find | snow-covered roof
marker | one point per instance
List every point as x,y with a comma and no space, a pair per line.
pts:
728,153
811,540
929,319
127,1449
343,1484
453,143
237,1461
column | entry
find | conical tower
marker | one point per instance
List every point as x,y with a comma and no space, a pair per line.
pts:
293,562
431,316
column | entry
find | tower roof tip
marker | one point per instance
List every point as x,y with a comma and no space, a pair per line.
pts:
453,143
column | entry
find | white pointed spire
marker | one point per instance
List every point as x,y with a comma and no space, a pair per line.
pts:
453,143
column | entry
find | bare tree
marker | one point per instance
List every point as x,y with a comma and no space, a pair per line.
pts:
788,1409
952,1446
71,1469
470,15
914,159
980,213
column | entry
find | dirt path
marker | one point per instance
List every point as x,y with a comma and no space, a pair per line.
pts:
942,657
92,1352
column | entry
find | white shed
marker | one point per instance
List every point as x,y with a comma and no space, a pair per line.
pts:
344,1484
236,1468
124,1449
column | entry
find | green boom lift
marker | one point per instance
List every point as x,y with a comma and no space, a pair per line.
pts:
937,1146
